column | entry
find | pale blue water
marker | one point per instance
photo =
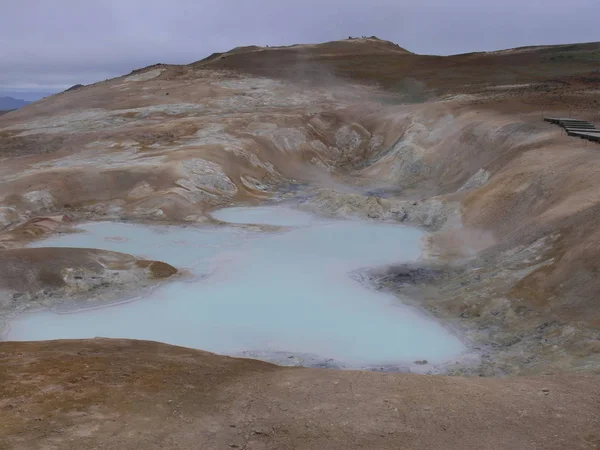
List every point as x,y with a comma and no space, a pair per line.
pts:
287,291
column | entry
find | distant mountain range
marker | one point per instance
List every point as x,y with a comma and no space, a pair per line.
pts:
8,103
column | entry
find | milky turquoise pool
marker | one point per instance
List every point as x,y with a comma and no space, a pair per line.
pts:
265,294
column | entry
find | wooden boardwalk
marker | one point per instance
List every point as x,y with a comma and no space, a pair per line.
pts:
577,128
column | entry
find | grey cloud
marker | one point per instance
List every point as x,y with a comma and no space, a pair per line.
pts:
51,45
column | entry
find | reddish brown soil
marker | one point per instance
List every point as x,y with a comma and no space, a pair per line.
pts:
108,394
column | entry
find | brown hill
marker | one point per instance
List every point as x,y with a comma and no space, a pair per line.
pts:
545,70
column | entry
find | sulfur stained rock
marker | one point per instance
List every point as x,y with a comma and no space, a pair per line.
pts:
47,277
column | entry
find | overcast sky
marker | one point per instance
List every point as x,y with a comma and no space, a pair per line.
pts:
49,45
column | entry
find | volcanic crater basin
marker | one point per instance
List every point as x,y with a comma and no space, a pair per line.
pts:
284,296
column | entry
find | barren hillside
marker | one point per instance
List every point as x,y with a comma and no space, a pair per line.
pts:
357,128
